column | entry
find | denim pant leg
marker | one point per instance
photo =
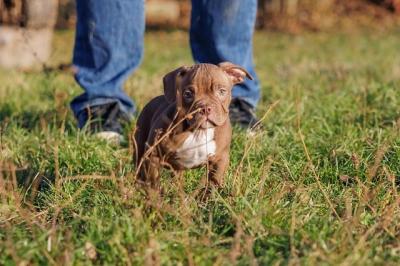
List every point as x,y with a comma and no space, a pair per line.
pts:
108,47
222,30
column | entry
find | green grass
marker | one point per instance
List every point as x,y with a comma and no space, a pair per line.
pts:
319,186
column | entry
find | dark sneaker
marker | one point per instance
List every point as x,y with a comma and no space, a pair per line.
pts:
105,122
242,114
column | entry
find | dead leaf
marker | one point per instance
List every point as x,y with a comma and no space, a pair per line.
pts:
90,251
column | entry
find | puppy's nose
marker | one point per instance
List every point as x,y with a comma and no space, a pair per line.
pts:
205,110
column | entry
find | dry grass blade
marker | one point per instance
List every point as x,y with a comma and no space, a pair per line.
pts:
317,179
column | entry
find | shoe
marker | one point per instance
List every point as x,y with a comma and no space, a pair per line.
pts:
105,122
242,114
110,137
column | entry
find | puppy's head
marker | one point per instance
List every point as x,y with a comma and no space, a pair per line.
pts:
204,90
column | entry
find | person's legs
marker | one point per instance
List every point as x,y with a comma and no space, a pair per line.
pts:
222,30
108,47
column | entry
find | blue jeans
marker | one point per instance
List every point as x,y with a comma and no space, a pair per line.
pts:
109,46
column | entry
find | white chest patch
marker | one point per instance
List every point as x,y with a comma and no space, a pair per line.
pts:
197,148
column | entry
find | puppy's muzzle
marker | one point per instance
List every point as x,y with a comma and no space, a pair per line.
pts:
201,115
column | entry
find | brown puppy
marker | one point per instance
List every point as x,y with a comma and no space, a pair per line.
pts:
189,125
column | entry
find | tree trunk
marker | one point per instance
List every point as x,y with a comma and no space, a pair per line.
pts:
29,13
39,14
26,30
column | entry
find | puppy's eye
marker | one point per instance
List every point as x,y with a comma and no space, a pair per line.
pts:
221,92
187,94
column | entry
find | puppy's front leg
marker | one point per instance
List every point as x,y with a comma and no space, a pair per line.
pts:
217,169
150,173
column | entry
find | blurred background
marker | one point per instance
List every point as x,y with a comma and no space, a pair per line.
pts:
26,26
330,83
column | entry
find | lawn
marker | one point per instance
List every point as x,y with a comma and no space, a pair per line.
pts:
320,184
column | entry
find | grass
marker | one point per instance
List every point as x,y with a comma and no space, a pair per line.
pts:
319,186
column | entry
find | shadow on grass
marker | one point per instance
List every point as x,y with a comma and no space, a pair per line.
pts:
36,118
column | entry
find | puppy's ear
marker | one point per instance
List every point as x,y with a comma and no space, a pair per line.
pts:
236,73
171,81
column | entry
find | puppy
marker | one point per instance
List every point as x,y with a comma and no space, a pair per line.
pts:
188,126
